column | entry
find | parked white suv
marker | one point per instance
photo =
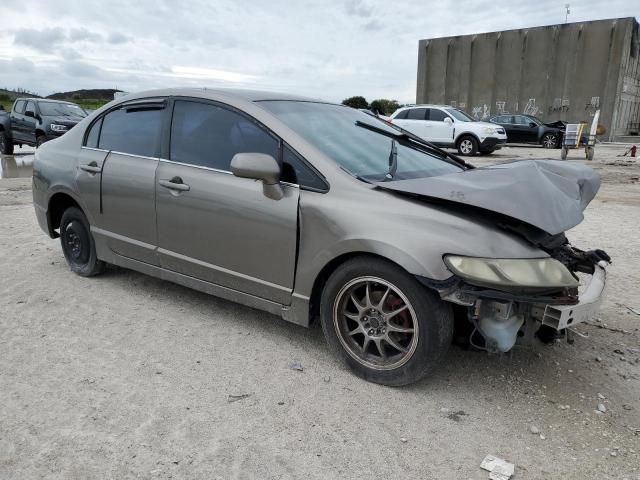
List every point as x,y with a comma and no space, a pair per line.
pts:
447,126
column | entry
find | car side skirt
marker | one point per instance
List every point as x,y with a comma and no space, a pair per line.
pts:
297,312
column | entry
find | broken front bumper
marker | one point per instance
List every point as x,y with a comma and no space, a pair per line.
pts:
587,308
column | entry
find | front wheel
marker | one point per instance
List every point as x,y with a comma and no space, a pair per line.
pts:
78,245
6,145
383,323
40,139
549,140
468,145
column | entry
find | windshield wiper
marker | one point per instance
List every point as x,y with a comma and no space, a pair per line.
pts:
407,135
393,161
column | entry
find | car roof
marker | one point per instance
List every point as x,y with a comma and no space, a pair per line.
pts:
36,99
428,105
238,93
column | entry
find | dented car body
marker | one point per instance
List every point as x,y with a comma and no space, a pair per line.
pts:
308,209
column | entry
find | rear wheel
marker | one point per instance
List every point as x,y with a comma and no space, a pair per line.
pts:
78,245
549,140
6,145
383,323
467,145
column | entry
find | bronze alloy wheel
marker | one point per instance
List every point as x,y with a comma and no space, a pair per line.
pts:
376,323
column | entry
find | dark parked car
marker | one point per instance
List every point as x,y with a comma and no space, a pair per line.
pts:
33,121
529,129
310,210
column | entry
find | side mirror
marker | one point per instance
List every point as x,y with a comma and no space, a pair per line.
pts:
448,120
30,113
259,166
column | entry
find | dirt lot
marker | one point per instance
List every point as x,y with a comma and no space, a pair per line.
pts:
126,376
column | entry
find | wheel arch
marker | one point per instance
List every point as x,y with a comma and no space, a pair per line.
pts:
466,134
407,264
57,204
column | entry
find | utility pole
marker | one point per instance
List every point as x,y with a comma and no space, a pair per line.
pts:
566,17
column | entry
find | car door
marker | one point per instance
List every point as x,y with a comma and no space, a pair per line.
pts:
29,122
17,124
525,133
416,122
213,225
117,178
441,128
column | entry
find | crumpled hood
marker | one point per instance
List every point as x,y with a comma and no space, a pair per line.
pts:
548,194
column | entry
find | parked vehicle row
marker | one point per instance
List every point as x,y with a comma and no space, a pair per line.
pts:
33,121
529,129
309,210
446,126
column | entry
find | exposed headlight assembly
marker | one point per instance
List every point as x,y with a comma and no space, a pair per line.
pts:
59,128
512,272
488,130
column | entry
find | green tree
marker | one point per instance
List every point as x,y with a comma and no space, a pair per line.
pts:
384,106
356,102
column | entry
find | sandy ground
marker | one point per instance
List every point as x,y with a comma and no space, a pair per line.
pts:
126,376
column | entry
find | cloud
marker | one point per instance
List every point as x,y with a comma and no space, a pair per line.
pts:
373,26
117,38
358,8
42,40
22,65
80,34
76,68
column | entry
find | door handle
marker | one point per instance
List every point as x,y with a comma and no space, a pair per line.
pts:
175,184
91,168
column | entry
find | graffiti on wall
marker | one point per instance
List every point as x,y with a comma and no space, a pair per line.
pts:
531,108
501,108
592,106
559,105
481,112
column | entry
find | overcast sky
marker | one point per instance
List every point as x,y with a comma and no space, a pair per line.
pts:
326,48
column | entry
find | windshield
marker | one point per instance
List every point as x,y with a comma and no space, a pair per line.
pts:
459,115
64,109
333,130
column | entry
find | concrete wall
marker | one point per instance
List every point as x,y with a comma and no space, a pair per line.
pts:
559,72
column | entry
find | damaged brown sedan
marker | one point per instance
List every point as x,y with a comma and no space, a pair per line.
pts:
307,210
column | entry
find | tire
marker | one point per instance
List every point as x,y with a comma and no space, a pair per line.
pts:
589,153
412,348
549,140
40,139
78,246
563,153
467,145
6,145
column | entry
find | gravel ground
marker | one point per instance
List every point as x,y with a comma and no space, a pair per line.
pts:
127,376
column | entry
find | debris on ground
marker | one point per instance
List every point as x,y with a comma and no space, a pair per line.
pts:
455,416
297,366
633,310
498,468
602,408
533,429
236,398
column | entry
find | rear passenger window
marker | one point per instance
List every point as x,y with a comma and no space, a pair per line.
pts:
19,107
92,136
132,130
208,135
436,115
295,170
417,114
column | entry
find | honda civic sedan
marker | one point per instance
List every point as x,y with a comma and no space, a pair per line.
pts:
311,210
